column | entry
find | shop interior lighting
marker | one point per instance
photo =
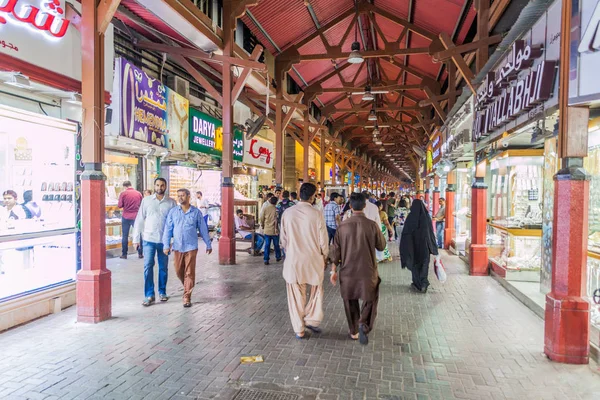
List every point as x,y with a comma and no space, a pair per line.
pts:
382,149
368,96
372,115
378,142
376,130
355,57
19,80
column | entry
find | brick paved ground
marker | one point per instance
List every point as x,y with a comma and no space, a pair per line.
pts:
467,339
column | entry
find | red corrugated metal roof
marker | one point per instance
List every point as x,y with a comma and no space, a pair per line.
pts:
153,21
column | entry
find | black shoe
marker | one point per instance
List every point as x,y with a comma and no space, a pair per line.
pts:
362,336
266,263
424,289
140,256
278,259
415,287
123,257
187,305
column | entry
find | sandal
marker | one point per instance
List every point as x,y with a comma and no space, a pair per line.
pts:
187,305
148,301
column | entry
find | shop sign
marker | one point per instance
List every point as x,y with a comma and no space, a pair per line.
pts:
505,95
206,136
148,111
429,161
258,152
46,17
39,33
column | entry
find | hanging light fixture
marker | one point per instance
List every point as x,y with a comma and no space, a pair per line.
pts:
368,96
372,115
355,57
376,130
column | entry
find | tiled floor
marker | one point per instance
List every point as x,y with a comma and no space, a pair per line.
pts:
465,339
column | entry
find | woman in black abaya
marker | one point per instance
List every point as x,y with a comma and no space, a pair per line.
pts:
417,244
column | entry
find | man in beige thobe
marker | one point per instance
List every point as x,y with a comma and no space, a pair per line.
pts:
303,235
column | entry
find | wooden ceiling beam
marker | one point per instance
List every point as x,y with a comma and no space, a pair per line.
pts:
400,21
337,53
379,109
466,48
373,88
460,62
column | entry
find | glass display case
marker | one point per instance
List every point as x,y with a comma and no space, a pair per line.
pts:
516,188
38,216
515,253
462,209
592,166
118,168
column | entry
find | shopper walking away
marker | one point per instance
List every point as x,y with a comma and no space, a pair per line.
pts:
304,239
268,221
386,230
417,244
284,204
182,225
371,210
202,205
440,219
391,213
353,250
129,201
265,204
149,224
294,197
332,212
245,230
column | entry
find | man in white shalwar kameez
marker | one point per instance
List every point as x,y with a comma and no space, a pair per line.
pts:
303,235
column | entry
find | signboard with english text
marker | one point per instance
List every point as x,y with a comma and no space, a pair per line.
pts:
258,152
206,136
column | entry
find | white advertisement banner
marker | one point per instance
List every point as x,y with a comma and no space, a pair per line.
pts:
258,152
38,32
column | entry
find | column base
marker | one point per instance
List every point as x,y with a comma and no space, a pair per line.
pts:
94,296
567,329
226,251
448,235
478,260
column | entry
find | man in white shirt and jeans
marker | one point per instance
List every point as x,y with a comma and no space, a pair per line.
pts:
150,223
202,205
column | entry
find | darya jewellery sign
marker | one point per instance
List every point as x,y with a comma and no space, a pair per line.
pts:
148,111
46,16
206,136
258,152
505,94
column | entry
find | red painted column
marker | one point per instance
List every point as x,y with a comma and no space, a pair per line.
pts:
478,256
449,229
227,240
94,297
436,204
567,322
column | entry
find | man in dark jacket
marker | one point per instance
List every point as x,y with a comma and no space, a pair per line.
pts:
283,205
353,249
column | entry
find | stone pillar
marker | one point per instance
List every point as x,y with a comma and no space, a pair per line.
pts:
289,168
227,239
567,318
94,294
449,229
478,255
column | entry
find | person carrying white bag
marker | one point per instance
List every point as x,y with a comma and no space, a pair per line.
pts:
440,270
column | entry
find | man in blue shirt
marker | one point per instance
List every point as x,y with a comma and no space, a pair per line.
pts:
332,213
182,225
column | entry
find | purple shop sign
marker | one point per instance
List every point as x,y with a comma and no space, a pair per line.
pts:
141,104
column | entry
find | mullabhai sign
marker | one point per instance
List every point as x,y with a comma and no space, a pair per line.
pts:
513,89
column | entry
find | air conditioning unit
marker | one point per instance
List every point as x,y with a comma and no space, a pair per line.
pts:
180,85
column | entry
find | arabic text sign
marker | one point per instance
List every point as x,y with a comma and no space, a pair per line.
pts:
584,86
46,17
142,105
258,152
504,95
206,136
38,32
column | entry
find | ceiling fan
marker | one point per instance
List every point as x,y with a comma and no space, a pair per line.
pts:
368,93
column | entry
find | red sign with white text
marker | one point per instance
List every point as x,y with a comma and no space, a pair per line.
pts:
46,17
